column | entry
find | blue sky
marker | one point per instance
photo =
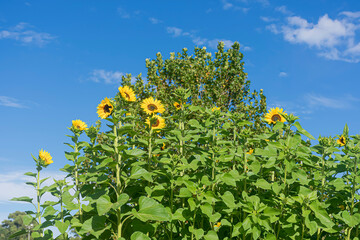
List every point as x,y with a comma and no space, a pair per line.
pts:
59,59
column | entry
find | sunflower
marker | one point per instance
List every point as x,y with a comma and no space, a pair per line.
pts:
79,125
177,105
215,109
151,105
163,147
217,225
341,141
157,122
45,157
127,93
274,115
105,108
250,151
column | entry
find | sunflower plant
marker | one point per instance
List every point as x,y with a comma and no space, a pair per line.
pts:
193,154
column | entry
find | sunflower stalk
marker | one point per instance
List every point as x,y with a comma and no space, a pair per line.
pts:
78,194
38,197
118,179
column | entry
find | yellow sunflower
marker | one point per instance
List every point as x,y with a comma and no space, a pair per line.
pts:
217,225
79,125
341,141
45,157
127,93
250,151
151,105
157,122
274,115
177,105
163,147
215,109
105,108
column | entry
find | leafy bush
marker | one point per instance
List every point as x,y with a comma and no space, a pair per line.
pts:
188,155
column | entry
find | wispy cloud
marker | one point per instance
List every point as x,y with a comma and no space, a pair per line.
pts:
344,102
174,31
23,33
154,20
227,5
123,13
201,41
268,19
312,102
107,77
11,102
283,10
334,39
283,74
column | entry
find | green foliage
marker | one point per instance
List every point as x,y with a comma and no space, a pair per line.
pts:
209,174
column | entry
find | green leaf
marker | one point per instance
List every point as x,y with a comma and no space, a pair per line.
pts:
31,174
303,131
62,226
27,219
122,199
138,172
19,233
95,226
211,235
262,183
135,152
228,179
269,211
149,209
49,211
139,236
103,204
199,233
22,199
107,148
321,214
229,200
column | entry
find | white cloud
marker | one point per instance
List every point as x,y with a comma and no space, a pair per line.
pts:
334,39
283,10
176,32
107,77
327,102
10,102
283,74
351,14
154,20
227,5
23,34
123,13
311,103
268,19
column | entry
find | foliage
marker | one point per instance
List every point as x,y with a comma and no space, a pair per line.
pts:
13,224
209,173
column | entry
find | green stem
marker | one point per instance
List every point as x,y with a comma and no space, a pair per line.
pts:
150,148
38,197
118,180
192,234
77,181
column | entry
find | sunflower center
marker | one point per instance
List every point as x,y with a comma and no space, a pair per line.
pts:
127,96
107,108
152,107
342,140
156,123
276,117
